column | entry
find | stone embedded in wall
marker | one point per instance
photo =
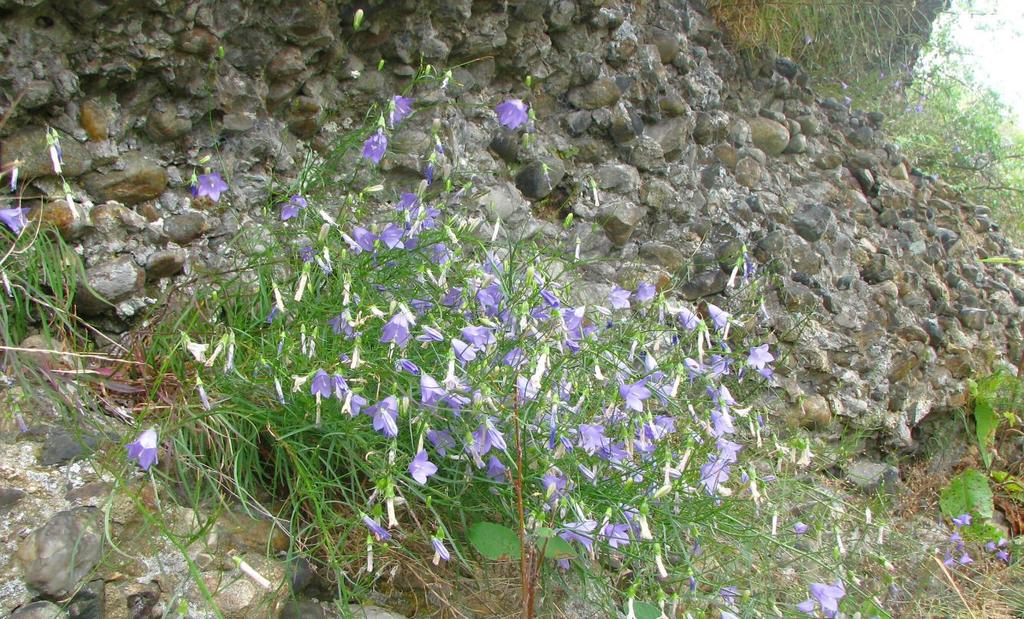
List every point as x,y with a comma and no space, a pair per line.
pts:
136,178
107,283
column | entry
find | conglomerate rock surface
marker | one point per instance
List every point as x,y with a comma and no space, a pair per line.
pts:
672,154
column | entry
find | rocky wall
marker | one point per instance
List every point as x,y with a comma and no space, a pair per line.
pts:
646,126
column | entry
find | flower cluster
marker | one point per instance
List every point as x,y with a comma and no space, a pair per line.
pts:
445,363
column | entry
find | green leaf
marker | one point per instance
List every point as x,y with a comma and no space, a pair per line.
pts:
494,541
967,492
544,532
644,610
985,422
558,548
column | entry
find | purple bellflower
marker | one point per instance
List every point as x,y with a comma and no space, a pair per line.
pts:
479,337
644,292
495,469
420,468
385,416
634,394
581,532
400,109
321,384
378,531
13,218
719,317
687,319
375,146
463,351
292,207
397,330
617,535
439,550
441,440
963,520
827,596
759,357
209,186
618,298
512,114
143,449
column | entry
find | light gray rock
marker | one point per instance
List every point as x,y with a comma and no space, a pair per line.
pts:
39,610
871,476
619,219
56,556
768,135
109,282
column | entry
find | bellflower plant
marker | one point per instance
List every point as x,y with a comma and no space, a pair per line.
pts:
435,378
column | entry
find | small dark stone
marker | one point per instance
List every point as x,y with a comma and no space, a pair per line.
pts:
184,228
786,67
811,221
142,604
845,282
301,609
88,601
704,284
506,144
9,497
579,122
61,447
879,269
539,177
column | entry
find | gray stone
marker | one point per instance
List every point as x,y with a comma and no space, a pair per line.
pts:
165,263
710,127
618,177
139,179
749,172
663,255
39,610
657,194
619,219
973,318
797,144
109,282
598,94
302,609
704,284
579,122
672,134
506,144
165,125
61,447
880,268
809,125
504,202
811,221
88,601
539,177
626,125
646,154
56,556
871,476
29,146
185,228
768,135
9,497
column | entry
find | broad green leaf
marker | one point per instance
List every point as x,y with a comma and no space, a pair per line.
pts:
558,548
494,541
544,532
967,492
986,422
645,610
